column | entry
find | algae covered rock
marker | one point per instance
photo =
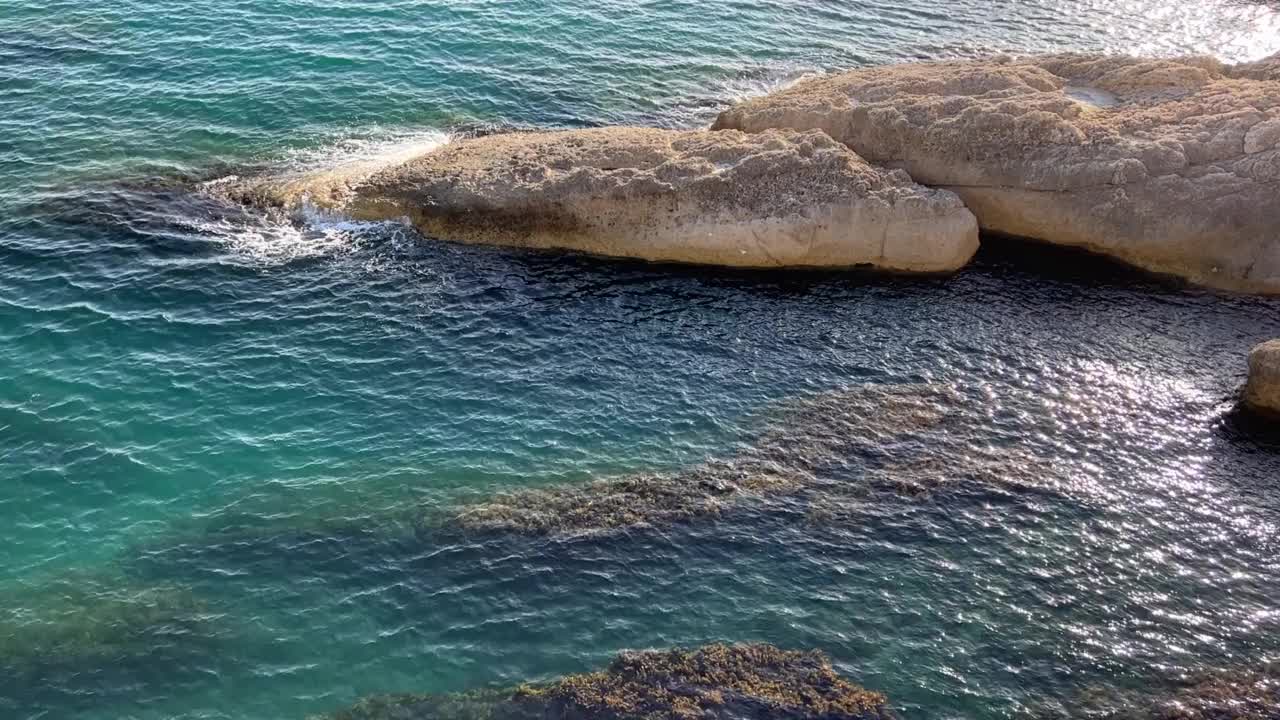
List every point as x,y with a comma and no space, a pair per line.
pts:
1262,391
1218,694
738,682
1169,165
1247,695
795,440
82,622
778,199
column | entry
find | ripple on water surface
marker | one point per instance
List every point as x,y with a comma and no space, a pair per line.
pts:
256,467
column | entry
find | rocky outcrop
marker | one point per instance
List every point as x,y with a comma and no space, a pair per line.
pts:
778,199
1265,69
716,682
1169,165
1262,392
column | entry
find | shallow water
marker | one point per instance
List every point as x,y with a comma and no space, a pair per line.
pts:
216,430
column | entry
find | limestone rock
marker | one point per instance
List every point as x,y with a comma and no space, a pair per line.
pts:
777,199
1262,392
1170,165
1265,69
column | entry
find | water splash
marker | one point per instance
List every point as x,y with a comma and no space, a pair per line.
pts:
311,231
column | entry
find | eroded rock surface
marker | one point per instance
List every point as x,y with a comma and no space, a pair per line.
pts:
777,199
1262,392
1170,165
1265,69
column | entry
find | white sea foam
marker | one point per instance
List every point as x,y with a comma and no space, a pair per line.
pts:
312,232
744,88
374,148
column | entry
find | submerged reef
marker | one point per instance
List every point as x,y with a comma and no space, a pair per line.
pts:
799,437
738,682
821,450
87,640
82,620
1242,694
1248,695
815,453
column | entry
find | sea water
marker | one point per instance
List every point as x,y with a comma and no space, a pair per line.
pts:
217,428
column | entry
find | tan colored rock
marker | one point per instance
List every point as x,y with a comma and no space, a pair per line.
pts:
1170,165
778,199
1265,69
1262,392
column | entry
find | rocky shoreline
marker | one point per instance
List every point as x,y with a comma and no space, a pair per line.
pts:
1170,165
776,199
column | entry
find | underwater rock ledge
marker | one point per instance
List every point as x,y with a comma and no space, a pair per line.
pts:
1172,166
778,199
715,682
1246,693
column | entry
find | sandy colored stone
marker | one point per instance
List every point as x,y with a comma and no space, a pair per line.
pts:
1170,165
778,199
1262,391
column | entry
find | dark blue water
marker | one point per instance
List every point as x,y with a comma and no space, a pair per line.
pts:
226,443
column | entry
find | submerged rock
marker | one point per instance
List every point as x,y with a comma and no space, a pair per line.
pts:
779,199
80,622
798,439
1249,695
1262,391
1008,468
1242,694
738,682
1169,165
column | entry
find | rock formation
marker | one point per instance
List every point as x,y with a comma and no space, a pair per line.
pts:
778,199
1262,392
1265,69
786,457
1169,165
716,682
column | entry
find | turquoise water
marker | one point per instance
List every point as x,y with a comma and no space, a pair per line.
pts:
225,419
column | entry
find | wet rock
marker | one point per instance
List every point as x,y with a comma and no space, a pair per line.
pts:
1262,391
738,682
778,199
1169,165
